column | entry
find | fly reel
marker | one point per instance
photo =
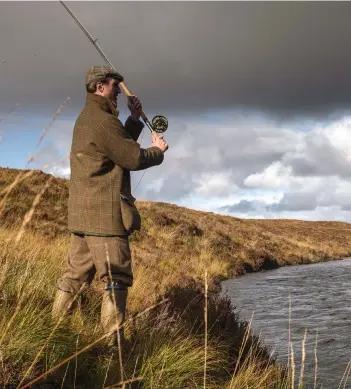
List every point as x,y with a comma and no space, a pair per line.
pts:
159,124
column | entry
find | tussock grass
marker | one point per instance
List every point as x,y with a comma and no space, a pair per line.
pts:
166,347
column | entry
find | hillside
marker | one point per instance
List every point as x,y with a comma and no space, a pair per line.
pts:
240,245
170,256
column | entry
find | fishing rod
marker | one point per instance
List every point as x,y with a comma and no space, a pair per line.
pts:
159,123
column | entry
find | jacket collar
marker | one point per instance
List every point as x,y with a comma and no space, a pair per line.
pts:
102,102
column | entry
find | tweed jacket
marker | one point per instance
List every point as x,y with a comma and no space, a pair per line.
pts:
103,152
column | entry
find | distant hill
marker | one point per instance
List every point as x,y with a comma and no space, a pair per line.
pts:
242,245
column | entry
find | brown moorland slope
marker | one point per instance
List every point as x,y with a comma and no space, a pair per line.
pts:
242,245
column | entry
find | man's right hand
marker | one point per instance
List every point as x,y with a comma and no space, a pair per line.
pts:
157,141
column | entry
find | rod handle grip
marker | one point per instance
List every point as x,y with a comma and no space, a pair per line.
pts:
129,93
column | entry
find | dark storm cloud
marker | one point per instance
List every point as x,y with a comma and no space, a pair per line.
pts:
182,56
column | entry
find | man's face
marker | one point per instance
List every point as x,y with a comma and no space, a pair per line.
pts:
111,91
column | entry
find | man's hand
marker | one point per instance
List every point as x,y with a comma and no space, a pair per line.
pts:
158,141
135,107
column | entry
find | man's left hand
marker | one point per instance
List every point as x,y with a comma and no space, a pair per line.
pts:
135,107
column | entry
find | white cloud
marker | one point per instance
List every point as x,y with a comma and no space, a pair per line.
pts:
275,176
249,161
338,134
216,184
58,171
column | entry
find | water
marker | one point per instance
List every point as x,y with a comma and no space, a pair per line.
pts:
320,296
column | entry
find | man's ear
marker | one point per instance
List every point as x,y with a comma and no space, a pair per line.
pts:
99,87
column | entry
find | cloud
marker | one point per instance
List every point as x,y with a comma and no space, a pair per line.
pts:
214,185
244,206
274,176
213,159
245,165
295,202
254,55
271,158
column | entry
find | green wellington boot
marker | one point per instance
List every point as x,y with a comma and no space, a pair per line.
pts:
62,304
113,310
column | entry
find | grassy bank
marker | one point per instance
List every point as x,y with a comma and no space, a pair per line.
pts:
170,255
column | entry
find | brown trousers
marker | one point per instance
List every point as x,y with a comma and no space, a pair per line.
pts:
104,255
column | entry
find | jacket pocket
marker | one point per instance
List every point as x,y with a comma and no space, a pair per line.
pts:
130,215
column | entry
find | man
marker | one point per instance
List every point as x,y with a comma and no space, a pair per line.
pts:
101,210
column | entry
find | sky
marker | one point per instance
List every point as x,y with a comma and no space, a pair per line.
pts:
257,95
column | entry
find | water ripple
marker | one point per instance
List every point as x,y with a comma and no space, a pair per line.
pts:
320,300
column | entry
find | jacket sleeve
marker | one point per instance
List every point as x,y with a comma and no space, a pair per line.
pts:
122,149
134,128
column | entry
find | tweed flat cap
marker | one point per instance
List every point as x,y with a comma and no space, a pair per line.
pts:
97,73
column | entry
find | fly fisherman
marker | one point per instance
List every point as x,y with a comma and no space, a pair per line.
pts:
101,210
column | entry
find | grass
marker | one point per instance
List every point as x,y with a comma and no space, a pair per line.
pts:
165,348
193,340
